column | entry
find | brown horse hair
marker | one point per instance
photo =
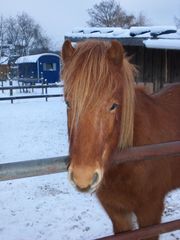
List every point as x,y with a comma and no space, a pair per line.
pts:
127,116
88,74
98,76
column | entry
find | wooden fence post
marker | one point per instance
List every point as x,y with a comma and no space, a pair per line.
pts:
42,86
46,89
2,85
11,90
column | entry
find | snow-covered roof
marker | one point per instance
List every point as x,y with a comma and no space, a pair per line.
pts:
33,58
162,43
149,36
104,32
4,60
153,31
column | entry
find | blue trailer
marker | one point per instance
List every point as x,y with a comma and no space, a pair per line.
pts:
45,66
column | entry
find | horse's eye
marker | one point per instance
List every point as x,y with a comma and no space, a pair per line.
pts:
67,104
114,106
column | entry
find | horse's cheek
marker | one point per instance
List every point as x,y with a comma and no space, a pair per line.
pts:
111,127
68,122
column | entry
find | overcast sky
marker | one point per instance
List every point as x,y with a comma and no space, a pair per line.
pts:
57,17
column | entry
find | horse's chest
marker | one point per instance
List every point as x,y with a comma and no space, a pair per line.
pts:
118,188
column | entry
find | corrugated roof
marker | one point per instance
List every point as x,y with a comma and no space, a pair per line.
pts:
4,60
135,36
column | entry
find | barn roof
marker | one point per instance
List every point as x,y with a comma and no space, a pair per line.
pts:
165,37
4,60
33,58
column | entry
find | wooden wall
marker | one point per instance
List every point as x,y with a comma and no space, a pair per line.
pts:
4,70
158,66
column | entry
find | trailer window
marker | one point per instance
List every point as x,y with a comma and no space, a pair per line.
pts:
49,66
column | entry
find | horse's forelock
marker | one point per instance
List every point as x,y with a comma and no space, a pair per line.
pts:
86,77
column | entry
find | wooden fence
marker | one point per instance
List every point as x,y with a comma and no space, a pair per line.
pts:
23,88
59,164
146,232
44,93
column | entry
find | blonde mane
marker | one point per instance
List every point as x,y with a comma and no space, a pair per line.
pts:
89,76
127,118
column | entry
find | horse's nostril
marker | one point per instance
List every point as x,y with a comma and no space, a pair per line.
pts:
71,177
95,179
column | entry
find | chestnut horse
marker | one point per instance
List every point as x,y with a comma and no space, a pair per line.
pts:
107,111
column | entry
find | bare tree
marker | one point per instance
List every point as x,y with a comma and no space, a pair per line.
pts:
26,29
142,20
30,34
2,34
108,13
12,34
177,22
41,41
25,36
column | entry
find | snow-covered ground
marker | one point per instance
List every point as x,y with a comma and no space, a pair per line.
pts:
48,207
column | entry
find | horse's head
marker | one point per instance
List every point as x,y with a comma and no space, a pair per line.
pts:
96,78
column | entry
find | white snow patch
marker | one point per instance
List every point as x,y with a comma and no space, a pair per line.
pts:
139,30
48,207
164,37
162,43
4,60
153,30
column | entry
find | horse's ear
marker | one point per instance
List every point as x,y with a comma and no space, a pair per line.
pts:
67,50
116,52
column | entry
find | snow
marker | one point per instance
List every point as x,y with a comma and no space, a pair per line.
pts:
96,32
33,58
139,30
169,34
93,30
4,60
172,35
158,30
162,43
48,207
110,32
153,30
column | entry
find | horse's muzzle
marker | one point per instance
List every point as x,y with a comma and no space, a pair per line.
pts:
85,180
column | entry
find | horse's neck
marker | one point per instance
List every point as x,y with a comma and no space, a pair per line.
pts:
146,119
157,116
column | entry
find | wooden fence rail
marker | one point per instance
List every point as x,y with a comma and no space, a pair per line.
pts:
31,168
30,87
44,94
148,152
146,232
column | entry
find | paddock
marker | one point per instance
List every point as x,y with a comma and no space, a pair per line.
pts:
42,191
14,95
39,167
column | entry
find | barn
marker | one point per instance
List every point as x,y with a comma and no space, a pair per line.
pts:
45,66
155,50
4,68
